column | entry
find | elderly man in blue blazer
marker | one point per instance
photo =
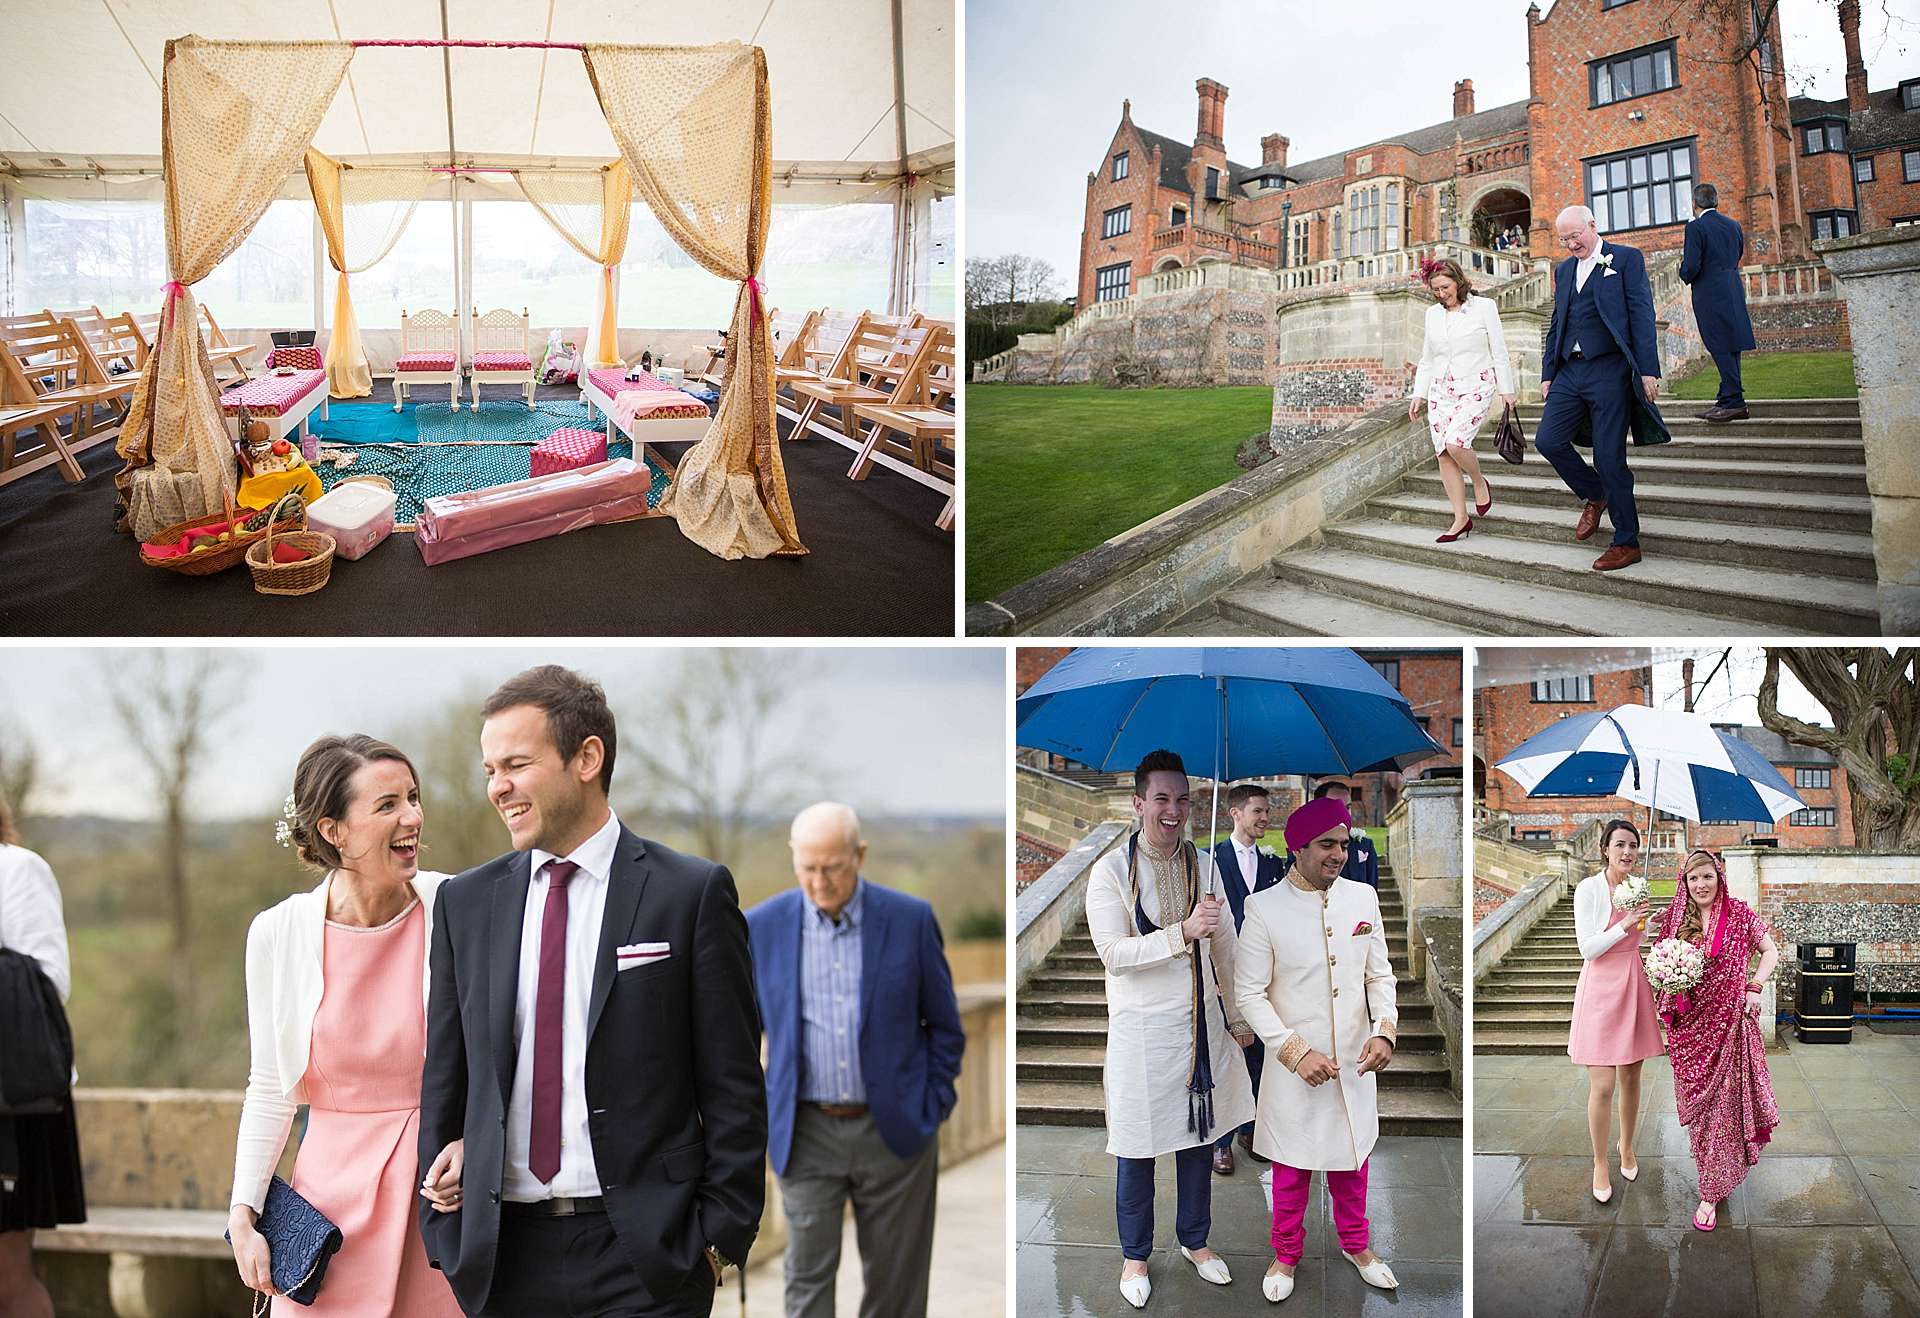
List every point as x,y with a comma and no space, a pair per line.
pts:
1600,348
1245,868
863,1047
1710,264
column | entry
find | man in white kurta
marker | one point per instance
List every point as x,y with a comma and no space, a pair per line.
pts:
1313,980
1150,917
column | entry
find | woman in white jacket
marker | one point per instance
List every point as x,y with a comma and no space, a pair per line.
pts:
336,1014
1463,363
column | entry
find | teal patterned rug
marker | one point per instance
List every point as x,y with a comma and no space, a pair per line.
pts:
427,449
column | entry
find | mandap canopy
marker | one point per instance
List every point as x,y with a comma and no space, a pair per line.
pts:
214,129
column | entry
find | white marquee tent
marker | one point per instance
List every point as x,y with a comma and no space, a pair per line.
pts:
862,103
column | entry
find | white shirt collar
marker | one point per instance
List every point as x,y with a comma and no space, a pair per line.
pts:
594,856
1587,261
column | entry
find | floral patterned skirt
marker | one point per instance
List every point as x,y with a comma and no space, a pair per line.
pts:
1456,407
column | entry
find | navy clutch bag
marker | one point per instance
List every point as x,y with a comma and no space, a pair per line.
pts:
300,1241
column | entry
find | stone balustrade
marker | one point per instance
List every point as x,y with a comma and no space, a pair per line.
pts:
1801,281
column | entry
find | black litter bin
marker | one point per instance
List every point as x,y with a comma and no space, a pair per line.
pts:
1823,1008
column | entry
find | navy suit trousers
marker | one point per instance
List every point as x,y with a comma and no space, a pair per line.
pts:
1133,1200
1593,394
1727,362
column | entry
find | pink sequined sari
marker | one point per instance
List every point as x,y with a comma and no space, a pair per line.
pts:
1721,1088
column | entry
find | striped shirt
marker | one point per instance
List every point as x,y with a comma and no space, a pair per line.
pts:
830,1004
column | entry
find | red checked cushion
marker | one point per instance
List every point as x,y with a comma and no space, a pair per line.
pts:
502,361
301,359
425,361
272,395
567,448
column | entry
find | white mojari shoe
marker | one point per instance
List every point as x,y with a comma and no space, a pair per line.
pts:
1276,1286
1376,1273
1213,1270
1135,1290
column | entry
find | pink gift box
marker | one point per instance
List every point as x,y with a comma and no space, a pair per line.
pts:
459,525
567,449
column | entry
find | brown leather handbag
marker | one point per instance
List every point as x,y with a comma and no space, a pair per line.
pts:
1508,439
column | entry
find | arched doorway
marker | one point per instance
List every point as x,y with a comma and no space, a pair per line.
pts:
1167,263
1500,211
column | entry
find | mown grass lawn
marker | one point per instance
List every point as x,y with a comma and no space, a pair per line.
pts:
1778,375
1053,470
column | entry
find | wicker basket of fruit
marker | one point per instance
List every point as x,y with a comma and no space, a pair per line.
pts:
205,545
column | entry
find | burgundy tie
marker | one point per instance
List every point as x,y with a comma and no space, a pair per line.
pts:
549,1011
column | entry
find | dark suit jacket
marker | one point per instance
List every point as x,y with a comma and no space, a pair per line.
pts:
673,1083
1710,262
910,1034
1234,883
1363,862
1625,303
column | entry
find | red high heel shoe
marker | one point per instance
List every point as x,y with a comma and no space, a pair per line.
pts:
1480,509
1451,536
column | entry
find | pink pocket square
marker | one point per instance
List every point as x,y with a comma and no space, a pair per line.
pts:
1364,927
641,954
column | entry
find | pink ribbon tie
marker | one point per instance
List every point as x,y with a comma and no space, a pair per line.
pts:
753,288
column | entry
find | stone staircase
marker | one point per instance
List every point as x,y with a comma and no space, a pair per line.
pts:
1061,1037
1525,1004
1758,527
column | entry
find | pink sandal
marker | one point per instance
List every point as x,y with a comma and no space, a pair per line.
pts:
1713,1218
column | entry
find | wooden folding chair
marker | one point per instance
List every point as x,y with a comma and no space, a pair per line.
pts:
909,429
45,364
222,352
823,355
878,359
52,450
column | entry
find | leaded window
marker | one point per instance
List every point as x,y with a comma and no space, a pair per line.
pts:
1641,189
1863,169
1119,166
1636,73
1803,777
1117,221
1817,817
1822,137
1834,224
1111,282
1564,691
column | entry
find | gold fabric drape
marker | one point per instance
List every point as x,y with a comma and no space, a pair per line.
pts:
592,212
694,124
234,118
362,212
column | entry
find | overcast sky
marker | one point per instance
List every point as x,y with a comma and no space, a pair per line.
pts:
900,730
1044,82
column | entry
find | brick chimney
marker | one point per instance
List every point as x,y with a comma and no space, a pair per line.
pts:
1463,98
1211,130
1856,67
1273,149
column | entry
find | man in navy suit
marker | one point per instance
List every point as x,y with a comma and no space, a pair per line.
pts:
1363,860
1244,870
1710,263
863,1047
1600,348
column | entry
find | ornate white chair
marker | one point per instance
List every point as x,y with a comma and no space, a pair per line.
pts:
500,353
429,354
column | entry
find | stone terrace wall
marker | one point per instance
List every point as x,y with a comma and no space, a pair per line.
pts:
1871,899
1057,812
1811,326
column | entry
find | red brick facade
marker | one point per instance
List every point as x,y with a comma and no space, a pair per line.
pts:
1478,171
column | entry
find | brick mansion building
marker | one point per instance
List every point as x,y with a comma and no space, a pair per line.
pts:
1628,106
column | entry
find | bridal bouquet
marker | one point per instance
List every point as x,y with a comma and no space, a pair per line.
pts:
1629,892
1675,965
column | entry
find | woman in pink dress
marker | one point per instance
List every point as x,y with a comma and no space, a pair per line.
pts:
1614,1028
1721,1089
336,1014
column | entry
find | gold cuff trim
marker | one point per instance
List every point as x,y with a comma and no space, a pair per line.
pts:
1389,1031
1292,1051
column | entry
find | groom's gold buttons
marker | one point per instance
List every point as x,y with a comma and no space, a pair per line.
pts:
1332,960
1336,993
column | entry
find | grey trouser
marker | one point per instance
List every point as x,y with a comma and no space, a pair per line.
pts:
893,1201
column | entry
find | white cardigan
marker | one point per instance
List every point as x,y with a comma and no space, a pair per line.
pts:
285,950
1592,908
1464,345
31,922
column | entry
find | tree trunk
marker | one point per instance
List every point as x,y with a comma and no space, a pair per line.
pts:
176,879
1874,702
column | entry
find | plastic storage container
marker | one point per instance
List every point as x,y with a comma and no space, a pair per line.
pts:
358,514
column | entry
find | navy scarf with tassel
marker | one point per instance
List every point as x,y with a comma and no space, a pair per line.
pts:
1200,1078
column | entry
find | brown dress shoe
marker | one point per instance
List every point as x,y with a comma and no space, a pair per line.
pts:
1246,1142
1617,556
1223,1161
1719,414
1589,518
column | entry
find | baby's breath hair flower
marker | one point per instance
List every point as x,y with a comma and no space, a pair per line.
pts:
283,826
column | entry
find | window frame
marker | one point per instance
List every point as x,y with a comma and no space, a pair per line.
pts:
1831,820
1910,94
1124,215
1388,671
1825,125
1606,5
1176,216
1120,167
1213,183
1581,682
1910,164
1833,219
1608,62
1818,777
1459,732
1680,196
1858,163
1103,286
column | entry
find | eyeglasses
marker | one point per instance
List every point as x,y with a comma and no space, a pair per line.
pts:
1569,242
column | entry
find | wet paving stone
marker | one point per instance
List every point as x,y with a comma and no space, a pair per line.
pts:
1789,1191
1822,1270
1660,1272
1536,1271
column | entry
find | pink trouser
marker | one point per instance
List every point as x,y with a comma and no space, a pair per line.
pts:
1349,1192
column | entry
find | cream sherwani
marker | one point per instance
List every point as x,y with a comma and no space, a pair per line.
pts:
1311,971
1150,1016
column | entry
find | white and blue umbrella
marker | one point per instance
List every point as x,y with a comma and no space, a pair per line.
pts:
1661,758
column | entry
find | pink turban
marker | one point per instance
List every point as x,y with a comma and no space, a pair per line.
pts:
1315,818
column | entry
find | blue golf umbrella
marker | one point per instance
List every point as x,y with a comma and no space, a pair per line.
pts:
1234,712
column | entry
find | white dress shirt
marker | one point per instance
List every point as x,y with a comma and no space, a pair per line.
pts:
1248,859
31,922
586,905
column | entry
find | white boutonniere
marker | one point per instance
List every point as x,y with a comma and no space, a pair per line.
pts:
1268,852
1605,262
